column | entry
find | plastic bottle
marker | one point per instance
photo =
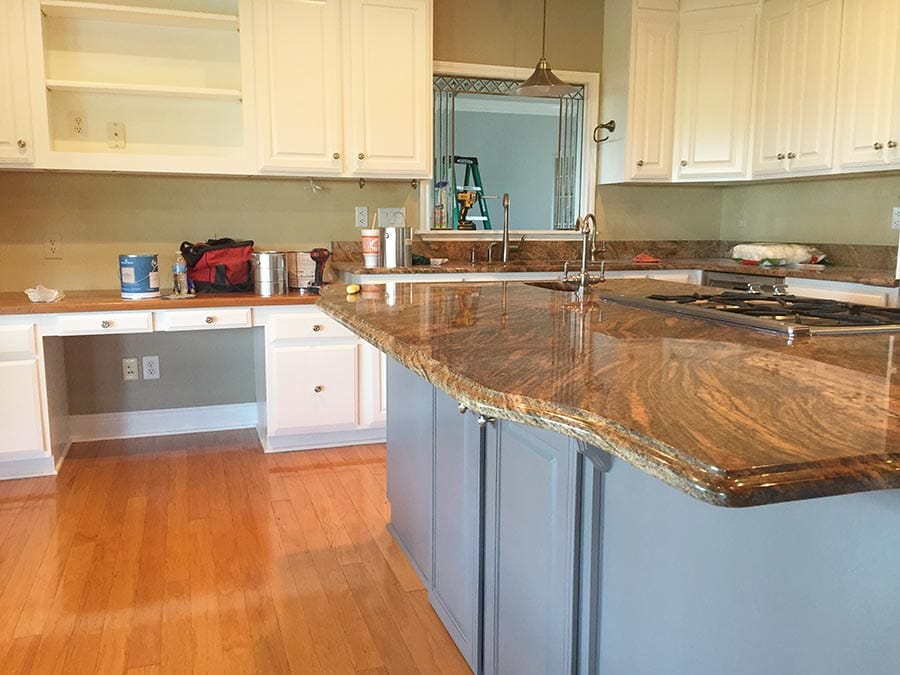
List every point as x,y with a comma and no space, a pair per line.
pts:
179,276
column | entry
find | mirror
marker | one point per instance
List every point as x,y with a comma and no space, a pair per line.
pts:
487,143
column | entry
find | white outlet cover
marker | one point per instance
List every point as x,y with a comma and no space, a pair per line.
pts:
392,217
150,366
895,218
130,369
53,247
115,135
361,216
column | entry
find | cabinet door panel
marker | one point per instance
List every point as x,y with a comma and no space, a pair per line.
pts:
297,373
390,88
20,407
815,84
715,80
410,437
529,551
15,118
652,94
775,86
455,580
298,65
866,79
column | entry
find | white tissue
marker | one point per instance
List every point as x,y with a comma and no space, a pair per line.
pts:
44,294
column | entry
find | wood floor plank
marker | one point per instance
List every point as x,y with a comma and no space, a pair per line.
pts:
199,553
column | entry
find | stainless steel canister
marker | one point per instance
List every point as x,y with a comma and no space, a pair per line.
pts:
301,269
269,273
397,241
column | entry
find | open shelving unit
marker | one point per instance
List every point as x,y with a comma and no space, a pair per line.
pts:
170,75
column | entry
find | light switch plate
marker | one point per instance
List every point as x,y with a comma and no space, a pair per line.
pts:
392,217
895,218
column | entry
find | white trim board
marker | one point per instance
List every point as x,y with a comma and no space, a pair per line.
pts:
164,422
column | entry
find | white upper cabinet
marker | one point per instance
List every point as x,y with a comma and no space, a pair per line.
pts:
869,119
389,114
132,87
298,69
638,92
796,86
715,80
15,115
344,87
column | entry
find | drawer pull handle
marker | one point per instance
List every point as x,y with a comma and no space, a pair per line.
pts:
317,328
684,162
462,409
484,421
362,155
892,144
780,155
792,155
878,146
318,388
22,144
105,324
640,162
210,319
337,155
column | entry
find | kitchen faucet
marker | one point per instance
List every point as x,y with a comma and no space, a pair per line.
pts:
506,245
601,249
587,227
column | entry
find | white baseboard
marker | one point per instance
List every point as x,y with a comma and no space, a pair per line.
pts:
164,422
324,439
27,468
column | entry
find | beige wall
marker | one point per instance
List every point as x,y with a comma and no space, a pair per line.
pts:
854,210
100,216
659,212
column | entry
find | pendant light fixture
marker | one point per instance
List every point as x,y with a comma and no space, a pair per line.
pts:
543,82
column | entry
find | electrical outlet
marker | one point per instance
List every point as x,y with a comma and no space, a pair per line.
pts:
361,216
53,247
115,134
895,218
150,366
129,369
392,217
78,123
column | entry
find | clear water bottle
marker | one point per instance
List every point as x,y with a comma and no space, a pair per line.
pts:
179,276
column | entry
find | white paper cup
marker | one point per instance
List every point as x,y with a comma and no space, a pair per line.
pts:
371,247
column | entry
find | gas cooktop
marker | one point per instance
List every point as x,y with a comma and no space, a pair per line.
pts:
778,313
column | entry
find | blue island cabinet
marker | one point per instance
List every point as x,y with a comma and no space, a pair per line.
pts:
488,511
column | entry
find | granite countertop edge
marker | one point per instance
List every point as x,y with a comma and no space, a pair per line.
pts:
762,486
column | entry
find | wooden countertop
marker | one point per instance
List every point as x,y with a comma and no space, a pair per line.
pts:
731,416
16,302
857,275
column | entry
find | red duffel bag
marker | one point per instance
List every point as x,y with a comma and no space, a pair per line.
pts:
219,265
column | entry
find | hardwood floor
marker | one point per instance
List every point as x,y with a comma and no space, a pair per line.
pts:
198,553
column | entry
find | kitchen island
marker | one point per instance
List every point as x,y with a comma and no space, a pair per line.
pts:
632,566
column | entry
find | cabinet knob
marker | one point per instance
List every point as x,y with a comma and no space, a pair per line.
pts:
892,144
484,421
640,162
210,319
462,409
317,328
22,144
780,155
105,324
792,155
878,146
362,155
337,155
684,162
318,388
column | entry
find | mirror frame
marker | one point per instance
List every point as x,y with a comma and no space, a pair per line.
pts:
589,149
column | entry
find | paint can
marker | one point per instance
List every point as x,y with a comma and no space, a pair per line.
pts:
139,275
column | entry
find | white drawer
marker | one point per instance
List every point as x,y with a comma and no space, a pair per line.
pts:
306,325
99,323
211,318
18,339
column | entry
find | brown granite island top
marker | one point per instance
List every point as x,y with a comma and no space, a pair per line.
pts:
730,416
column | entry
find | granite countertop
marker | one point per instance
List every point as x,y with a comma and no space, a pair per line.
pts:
16,302
874,277
730,416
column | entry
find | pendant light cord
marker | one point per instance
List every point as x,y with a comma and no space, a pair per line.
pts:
544,33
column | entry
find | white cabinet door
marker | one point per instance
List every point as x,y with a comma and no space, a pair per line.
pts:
868,56
389,95
892,147
797,86
651,94
777,33
21,427
298,67
312,387
15,116
715,71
